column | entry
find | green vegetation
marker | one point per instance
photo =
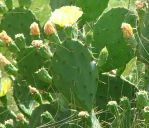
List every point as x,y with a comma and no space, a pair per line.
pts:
74,64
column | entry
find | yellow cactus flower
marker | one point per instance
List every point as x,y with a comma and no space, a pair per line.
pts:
34,29
5,85
66,16
127,30
5,38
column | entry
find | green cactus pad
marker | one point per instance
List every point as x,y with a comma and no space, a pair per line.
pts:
92,9
30,61
5,114
36,118
2,8
112,88
25,3
107,32
51,115
59,3
23,98
74,73
143,46
17,21
9,4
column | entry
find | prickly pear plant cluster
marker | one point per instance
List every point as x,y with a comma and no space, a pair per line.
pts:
74,71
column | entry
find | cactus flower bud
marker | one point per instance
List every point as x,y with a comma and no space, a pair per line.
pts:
5,38
32,90
83,114
9,122
36,95
142,99
127,30
20,117
113,107
37,43
49,28
20,41
125,103
146,115
3,61
140,4
103,56
34,29
43,75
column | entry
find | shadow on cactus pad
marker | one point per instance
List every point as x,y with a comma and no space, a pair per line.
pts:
23,98
112,88
49,115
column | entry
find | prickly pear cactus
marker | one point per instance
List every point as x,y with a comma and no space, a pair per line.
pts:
107,32
73,76
54,4
23,98
74,73
51,115
18,20
143,45
111,88
43,114
26,66
6,114
25,3
92,9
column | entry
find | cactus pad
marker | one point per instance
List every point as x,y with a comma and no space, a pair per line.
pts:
111,88
107,32
74,73
29,61
17,21
23,98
